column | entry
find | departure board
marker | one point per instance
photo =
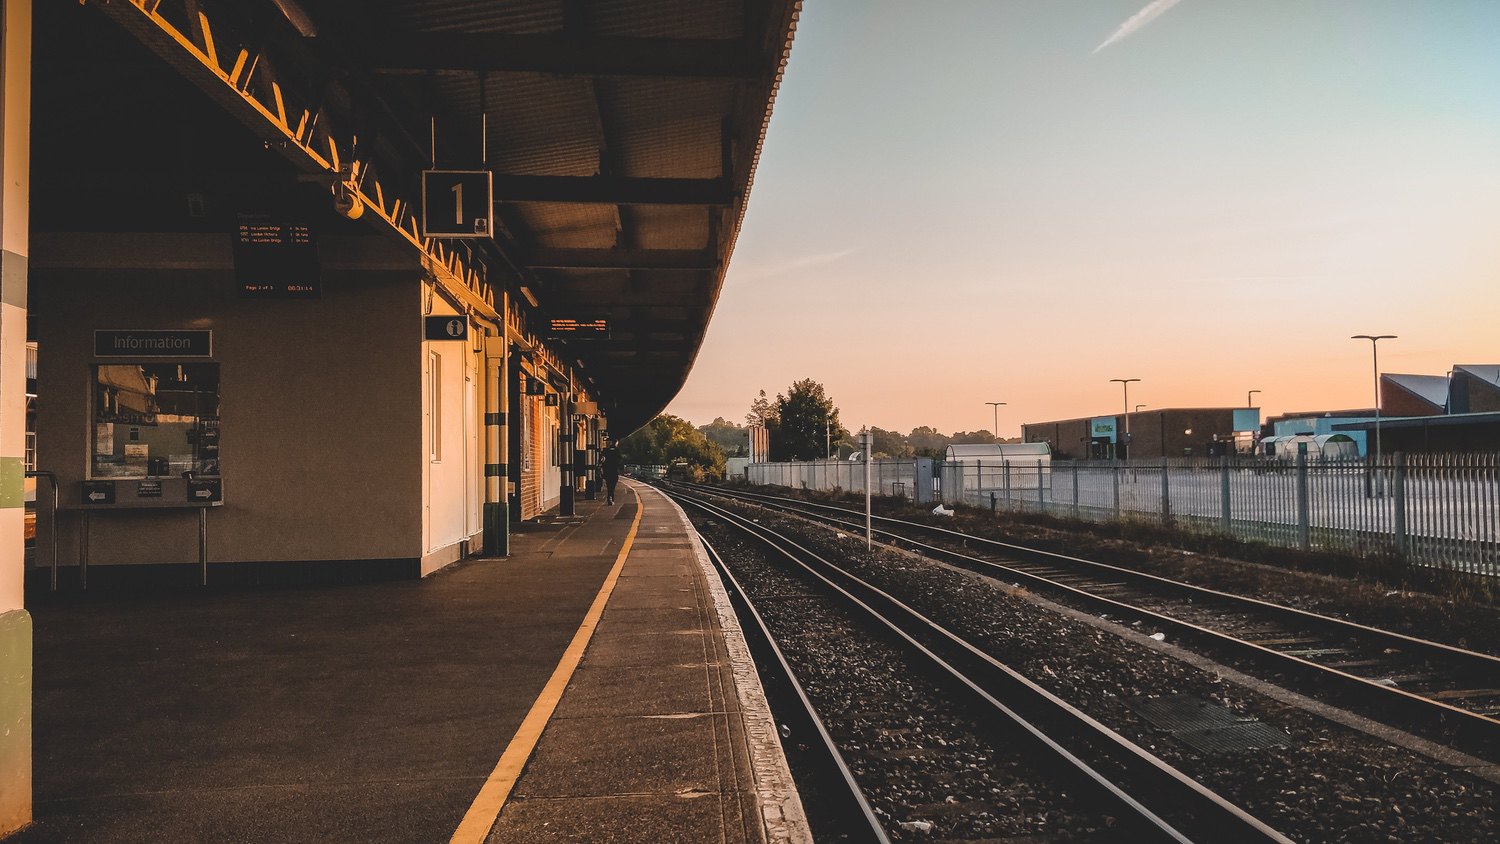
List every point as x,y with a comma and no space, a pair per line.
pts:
562,327
275,259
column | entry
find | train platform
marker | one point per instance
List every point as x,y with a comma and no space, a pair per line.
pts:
592,686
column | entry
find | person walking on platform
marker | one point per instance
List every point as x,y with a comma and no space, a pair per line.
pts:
609,464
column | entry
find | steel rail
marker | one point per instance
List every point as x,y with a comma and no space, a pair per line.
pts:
840,801
1465,730
1021,703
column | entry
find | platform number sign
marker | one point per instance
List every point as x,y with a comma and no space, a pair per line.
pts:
457,203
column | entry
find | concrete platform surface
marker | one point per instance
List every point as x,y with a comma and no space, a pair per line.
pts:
378,712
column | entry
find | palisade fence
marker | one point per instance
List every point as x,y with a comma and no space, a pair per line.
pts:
1431,509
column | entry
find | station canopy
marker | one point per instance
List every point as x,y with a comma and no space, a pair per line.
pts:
622,136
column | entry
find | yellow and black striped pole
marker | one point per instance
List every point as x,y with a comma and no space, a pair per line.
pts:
496,443
15,622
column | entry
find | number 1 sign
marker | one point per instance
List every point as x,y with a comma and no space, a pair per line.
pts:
457,203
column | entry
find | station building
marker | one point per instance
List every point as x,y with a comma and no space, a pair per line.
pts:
1167,432
329,290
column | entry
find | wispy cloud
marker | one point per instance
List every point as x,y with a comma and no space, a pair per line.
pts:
759,271
1153,10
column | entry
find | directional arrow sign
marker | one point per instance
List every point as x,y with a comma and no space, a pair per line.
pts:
208,490
99,492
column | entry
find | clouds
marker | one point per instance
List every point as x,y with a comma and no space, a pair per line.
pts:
1153,10
755,272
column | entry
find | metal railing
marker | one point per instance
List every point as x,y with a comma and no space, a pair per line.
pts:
1440,510
897,478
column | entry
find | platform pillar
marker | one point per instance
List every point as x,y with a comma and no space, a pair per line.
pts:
15,622
496,444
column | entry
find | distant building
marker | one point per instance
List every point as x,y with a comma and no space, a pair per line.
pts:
1452,433
1474,389
1413,395
1168,432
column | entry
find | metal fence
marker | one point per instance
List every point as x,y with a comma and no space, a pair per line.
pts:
1439,510
896,478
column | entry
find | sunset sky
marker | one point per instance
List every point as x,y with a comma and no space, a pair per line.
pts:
1017,200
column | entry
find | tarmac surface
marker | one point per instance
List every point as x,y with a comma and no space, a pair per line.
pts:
377,712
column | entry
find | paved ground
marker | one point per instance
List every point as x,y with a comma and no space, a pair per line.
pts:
359,713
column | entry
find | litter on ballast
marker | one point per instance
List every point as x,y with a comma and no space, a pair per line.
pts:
1160,637
940,510
916,826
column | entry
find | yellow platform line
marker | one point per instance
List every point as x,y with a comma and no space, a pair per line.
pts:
482,815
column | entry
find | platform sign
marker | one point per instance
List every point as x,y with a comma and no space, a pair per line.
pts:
150,343
457,203
98,492
205,491
275,259
563,327
447,328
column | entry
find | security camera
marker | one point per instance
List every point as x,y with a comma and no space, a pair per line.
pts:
347,202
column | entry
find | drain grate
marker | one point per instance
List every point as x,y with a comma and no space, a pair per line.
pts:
1206,727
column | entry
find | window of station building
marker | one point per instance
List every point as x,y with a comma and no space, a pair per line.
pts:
155,420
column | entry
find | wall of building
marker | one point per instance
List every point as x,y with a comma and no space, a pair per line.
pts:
1396,400
1153,434
452,408
1472,394
321,398
15,621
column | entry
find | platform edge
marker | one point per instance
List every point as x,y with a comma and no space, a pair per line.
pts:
780,804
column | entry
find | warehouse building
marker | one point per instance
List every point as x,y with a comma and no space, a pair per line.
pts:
1168,432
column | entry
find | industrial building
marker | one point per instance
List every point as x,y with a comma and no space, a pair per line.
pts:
1167,432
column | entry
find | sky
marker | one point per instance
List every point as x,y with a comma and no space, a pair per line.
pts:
965,201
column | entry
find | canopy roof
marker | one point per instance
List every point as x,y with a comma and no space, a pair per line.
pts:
622,136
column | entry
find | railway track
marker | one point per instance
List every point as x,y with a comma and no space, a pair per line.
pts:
1441,692
833,799
1147,798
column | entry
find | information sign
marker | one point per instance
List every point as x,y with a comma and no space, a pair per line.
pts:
457,203
148,489
114,343
447,328
275,259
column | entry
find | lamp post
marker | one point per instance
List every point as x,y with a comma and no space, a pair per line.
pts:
996,405
1250,398
1138,408
1125,383
1375,362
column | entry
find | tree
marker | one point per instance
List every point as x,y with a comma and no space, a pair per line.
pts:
971,437
927,442
730,437
668,439
805,420
762,412
891,444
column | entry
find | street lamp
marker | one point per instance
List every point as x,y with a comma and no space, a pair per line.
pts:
996,405
1125,383
1375,362
1138,408
1250,398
